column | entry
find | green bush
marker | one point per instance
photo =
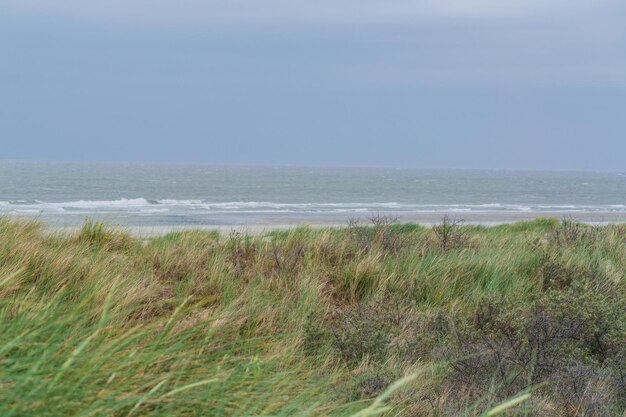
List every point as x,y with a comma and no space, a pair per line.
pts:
363,332
569,343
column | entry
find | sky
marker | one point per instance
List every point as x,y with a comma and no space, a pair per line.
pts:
534,84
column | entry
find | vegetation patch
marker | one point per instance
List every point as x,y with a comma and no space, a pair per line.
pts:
526,319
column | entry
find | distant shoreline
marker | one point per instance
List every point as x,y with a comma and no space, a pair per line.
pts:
261,224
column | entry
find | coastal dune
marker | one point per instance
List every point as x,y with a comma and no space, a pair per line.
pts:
527,317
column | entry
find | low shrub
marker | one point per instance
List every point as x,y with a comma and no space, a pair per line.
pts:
362,332
450,234
568,343
382,233
569,232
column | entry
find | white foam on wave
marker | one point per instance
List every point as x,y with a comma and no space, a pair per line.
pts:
77,207
145,206
241,205
87,204
179,202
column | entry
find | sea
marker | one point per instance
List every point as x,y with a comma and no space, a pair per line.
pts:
65,194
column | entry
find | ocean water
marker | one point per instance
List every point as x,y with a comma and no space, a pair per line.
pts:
64,194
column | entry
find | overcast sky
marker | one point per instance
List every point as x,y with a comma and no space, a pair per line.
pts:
533,84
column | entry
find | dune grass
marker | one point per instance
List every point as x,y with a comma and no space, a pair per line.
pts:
521,319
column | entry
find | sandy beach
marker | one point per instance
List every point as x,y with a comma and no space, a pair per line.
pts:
257,224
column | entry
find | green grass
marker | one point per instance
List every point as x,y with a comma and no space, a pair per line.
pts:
313,321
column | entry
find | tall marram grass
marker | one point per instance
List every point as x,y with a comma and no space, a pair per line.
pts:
313,322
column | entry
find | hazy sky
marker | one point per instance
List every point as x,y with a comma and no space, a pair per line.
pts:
422,83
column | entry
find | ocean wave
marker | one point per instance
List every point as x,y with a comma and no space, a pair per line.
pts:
146,206
87,204
178,202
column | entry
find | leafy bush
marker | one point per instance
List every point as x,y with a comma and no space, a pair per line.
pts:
362,332
556,274
569,340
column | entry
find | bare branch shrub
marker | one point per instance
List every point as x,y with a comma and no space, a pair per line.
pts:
243,252
379,233
383,220
569,232
450,234
287,258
